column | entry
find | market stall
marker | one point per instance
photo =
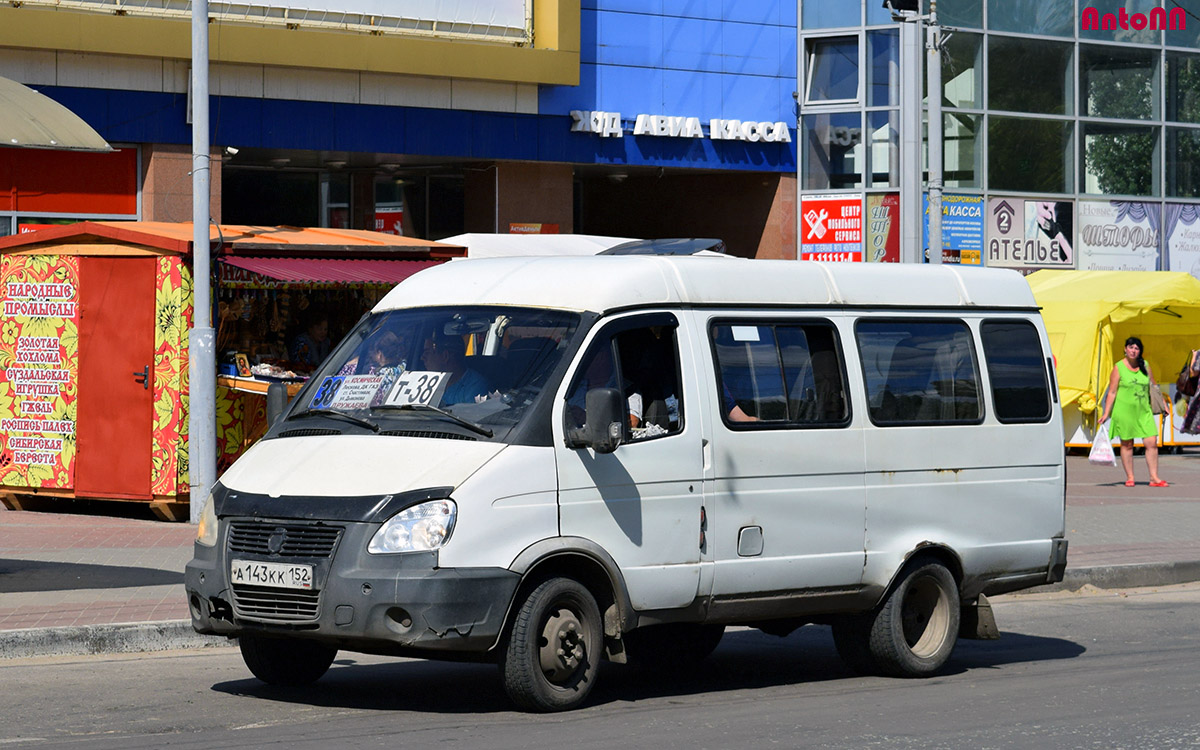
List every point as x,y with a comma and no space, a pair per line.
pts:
1089,314
94,319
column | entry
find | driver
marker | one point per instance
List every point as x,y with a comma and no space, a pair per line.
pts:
447,353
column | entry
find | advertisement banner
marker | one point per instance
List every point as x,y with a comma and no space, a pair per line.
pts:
491,18
831,228
883,228
389,219
1183,237
962,229
39,369
1028,235
1118,236
526,227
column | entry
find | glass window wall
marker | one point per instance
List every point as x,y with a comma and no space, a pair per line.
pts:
962,67
833,151
1120,159
1030,155
1186,31
832,69
960,13
883,74
1118,82
826,15
1183,87
1183,163
885,148
962,150
1046,17
1029,75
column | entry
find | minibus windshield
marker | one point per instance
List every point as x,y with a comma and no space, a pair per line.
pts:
476,369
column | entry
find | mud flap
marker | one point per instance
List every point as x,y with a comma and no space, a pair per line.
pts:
977,621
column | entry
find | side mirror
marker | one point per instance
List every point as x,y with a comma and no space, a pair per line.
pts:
605,426
277,399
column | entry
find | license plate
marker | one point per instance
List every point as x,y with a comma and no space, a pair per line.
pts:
275,575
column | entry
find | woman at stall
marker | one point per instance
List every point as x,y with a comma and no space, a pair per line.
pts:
1128,404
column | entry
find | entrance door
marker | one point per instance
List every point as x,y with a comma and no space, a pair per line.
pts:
114,412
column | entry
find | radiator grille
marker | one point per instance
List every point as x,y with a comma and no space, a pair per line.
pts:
276,605
293,540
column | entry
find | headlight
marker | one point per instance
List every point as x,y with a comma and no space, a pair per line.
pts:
206,532
421,528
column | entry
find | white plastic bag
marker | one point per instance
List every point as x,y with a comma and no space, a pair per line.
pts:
1102,450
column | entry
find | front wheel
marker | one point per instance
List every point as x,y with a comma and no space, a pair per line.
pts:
289,662
551,654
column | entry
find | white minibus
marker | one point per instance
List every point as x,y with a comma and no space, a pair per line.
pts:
549,462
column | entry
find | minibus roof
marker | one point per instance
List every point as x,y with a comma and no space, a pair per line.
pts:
611,282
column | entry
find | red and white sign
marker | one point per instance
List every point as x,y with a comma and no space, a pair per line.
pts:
389,220
831,228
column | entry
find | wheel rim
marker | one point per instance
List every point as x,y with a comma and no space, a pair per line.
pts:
563,646
925,616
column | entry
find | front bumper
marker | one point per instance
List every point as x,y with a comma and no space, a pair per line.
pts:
360,602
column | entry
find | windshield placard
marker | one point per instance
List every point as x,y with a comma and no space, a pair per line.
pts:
418,387
356,392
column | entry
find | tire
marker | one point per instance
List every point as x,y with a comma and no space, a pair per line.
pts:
912,633
673,647
288,662
551,654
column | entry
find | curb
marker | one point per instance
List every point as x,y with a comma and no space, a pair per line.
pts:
1122,577
104,639
178,634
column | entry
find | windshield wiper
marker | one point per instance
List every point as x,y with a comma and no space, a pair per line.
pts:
319,412
426,407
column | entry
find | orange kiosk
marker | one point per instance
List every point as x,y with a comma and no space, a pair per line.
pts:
94,320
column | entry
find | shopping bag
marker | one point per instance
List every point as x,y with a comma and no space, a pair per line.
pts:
1189,375
1157,402
1102,450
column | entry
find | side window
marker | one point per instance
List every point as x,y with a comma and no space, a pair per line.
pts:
779,375
644,363
919,372
1017,370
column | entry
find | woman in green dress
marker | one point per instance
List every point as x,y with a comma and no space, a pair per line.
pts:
1128,403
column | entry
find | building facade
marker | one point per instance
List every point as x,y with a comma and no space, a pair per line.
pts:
647,119
1071,132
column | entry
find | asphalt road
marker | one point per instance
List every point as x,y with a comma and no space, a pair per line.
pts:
1094,669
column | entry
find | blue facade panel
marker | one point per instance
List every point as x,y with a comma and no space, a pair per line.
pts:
683,58
710,9
692,44
752,49
629,39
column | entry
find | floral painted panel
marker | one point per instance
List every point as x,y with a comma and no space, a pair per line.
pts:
39,369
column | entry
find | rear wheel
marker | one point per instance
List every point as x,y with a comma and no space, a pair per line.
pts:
912,633
674,646
551,654
290,662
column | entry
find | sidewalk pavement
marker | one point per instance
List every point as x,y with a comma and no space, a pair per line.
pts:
100,584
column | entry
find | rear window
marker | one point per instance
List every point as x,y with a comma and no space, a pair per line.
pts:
919,372
1017,369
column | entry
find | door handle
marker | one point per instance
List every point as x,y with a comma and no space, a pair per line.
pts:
143,377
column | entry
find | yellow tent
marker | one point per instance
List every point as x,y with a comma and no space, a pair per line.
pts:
1089,314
